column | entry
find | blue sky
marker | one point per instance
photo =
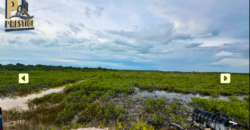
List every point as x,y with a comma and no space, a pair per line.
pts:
168,35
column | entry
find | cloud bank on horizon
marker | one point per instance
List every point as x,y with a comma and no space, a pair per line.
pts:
177,35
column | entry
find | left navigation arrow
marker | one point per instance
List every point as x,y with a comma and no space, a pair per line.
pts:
23,78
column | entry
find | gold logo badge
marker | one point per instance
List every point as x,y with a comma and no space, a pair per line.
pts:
21,12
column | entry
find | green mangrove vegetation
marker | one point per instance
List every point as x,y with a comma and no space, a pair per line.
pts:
246,97
177,81
106,98
38,80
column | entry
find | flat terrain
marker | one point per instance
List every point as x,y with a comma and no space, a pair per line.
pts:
192,82
107,98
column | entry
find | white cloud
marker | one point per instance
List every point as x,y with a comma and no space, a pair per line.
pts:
102,40
137,59
167,51
207,35
224,53
232,62
218,41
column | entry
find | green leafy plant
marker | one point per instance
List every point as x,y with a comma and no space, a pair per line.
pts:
139,125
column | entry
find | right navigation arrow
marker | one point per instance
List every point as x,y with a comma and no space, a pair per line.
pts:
225,78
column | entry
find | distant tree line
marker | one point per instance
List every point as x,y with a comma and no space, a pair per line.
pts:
39,67
22,67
